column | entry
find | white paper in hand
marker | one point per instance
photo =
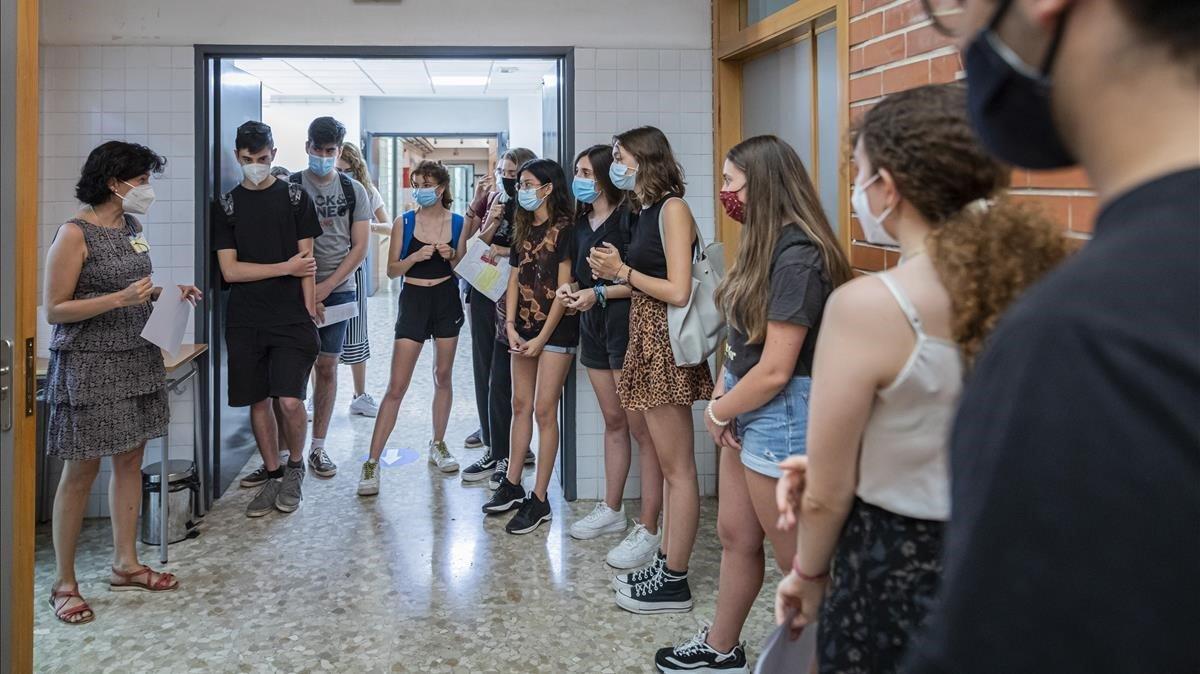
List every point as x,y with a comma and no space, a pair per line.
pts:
489,277
168,320
781,655
339,313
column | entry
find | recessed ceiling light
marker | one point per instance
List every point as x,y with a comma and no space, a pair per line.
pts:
459,80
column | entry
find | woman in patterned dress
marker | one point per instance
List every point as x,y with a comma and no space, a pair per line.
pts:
106,386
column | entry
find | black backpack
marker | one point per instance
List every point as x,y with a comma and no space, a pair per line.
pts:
347,191
295,194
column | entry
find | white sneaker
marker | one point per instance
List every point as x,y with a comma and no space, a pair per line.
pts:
441,457
602,520
364,406
636,550
368,483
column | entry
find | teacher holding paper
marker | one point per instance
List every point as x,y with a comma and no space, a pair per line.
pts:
106,386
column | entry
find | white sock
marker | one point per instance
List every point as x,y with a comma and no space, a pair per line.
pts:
317,443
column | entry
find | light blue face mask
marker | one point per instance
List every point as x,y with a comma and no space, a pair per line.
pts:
321,166
425,196
585,190
622,176
528,198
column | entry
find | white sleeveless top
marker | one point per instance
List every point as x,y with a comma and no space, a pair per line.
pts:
902,465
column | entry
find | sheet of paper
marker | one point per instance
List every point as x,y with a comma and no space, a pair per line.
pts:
489,277
781,655
339,313
168,320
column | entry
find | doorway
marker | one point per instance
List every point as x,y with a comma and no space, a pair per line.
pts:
374,91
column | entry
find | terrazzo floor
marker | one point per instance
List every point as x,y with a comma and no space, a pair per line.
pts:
414,580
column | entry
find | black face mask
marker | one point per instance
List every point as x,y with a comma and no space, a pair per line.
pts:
1009,104
510,186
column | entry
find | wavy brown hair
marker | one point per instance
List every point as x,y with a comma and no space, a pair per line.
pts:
779,193
438,172
658,174
357,165
986,249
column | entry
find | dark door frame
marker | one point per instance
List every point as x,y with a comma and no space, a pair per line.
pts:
207,83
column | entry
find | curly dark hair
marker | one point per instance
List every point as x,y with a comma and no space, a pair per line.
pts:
441,176
114,160
326,131
986,248
558,202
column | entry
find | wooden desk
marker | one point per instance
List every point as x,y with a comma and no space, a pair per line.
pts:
180,369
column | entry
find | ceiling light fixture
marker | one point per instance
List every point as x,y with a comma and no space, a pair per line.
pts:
459,80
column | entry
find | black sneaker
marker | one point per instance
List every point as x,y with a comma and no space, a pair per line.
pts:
695,655
319,461
481,469
529,516
499,474
665,593
507,497
474,440
628,580
256,479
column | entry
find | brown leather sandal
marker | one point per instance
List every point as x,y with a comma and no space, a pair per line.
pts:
165,582
68,615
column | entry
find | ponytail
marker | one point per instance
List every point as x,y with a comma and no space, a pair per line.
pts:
987,255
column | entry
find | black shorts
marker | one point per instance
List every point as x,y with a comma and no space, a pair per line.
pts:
604,336
429,312
270,361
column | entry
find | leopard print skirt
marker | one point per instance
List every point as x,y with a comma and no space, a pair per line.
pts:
650,377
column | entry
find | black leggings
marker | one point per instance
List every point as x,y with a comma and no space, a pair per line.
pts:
493,376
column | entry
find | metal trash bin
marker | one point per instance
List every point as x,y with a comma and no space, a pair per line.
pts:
184,489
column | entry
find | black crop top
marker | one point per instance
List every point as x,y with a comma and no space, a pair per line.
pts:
646,253
434,268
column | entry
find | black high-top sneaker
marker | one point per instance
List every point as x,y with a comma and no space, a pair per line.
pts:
668,592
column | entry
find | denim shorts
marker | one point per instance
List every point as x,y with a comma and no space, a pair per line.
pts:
333,336
776,430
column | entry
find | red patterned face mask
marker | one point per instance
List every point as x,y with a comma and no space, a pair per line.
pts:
734,207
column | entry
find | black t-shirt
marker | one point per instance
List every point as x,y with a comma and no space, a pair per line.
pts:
615,230
1074,542
265,229
535,262
799,288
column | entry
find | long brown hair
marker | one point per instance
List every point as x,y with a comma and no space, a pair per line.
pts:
658,174
779,193
357,165
986,249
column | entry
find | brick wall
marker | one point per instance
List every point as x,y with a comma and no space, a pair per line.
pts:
893,47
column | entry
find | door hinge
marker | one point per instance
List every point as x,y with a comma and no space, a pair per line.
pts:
6,392
30,377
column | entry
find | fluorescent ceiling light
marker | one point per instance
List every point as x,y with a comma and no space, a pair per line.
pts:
459,80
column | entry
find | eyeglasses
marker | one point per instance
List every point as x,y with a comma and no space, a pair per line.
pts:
529,186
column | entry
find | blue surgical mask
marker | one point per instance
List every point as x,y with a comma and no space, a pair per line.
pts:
622,176
321,166
1008,101
529,199
425,196
585,190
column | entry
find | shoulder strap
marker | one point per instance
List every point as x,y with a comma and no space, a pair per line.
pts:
456,227
349,193
295,193
910,311
295,178
226,201
697,246
410,224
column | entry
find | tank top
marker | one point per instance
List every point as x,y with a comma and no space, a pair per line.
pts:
903,462
646,253
434,268
111,265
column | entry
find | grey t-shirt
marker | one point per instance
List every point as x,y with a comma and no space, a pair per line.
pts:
334,243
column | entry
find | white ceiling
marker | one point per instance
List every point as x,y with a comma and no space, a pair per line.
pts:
396,77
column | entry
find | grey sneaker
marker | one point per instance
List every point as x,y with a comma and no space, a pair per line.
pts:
264,501
289,496
255,479
320,463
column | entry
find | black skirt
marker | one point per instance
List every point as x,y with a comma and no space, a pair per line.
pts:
885,572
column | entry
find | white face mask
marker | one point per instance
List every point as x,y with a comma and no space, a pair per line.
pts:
256,173
137,200
872,226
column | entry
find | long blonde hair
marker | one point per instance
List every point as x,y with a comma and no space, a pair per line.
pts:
778,193
358,165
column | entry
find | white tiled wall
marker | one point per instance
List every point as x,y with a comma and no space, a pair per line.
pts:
137,94
616,90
